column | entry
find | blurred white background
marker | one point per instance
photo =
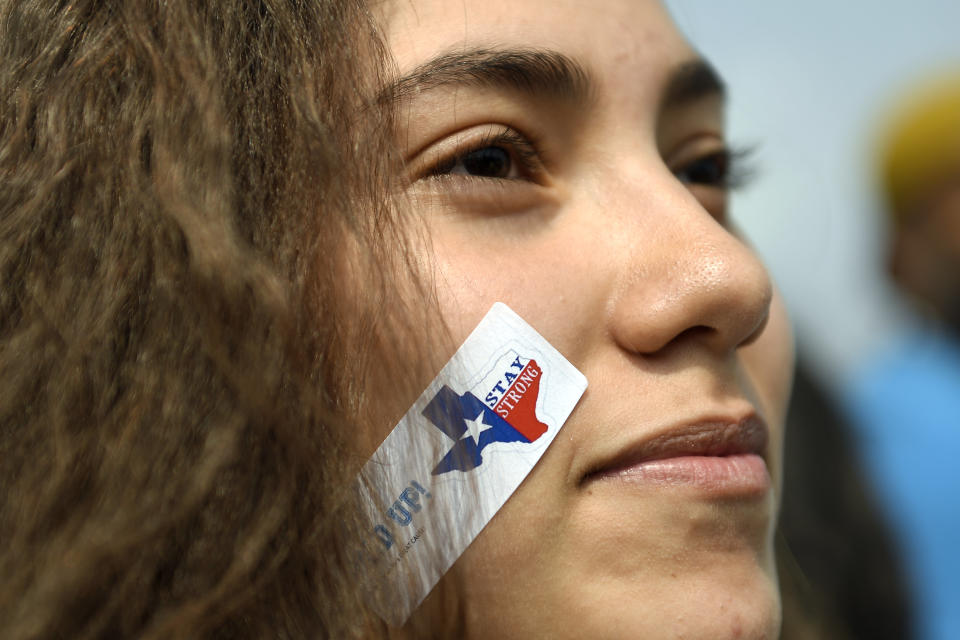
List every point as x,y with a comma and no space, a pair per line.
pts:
810,82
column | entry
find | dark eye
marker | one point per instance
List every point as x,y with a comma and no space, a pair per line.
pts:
487,162
488,153
711,170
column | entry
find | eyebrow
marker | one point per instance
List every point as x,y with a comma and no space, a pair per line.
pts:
533,72
536,72
692,81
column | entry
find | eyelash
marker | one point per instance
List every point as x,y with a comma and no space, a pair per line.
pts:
735,172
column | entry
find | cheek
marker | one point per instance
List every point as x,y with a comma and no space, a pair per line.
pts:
769,364
389,339
465,284
471,270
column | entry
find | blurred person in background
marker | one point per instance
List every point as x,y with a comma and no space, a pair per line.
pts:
907,404
841,574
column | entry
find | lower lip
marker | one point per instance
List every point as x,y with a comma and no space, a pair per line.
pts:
741,474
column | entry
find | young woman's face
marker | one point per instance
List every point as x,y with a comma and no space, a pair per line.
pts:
570,161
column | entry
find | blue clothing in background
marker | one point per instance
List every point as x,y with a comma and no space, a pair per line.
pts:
906,412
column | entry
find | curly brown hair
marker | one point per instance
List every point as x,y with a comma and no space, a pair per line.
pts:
183,337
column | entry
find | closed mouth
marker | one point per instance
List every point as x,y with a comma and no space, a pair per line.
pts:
706,452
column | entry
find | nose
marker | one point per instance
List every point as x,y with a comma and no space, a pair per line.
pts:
686,278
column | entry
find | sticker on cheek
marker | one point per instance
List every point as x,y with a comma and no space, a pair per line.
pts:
457,455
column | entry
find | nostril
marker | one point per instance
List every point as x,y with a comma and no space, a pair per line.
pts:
698,332
707,333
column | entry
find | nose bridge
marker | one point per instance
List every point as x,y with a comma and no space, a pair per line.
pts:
682,274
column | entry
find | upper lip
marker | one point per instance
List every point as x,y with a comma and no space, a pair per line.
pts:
713,437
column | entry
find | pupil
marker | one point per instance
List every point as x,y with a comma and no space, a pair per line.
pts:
489,162
710,170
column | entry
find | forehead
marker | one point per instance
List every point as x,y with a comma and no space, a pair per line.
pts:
632,44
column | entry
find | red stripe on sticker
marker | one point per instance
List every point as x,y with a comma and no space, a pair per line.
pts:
518,406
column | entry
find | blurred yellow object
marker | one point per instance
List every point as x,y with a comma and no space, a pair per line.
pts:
922,145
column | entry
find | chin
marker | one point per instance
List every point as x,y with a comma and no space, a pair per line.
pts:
730,598
725,595
748,611
743,606
700,570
